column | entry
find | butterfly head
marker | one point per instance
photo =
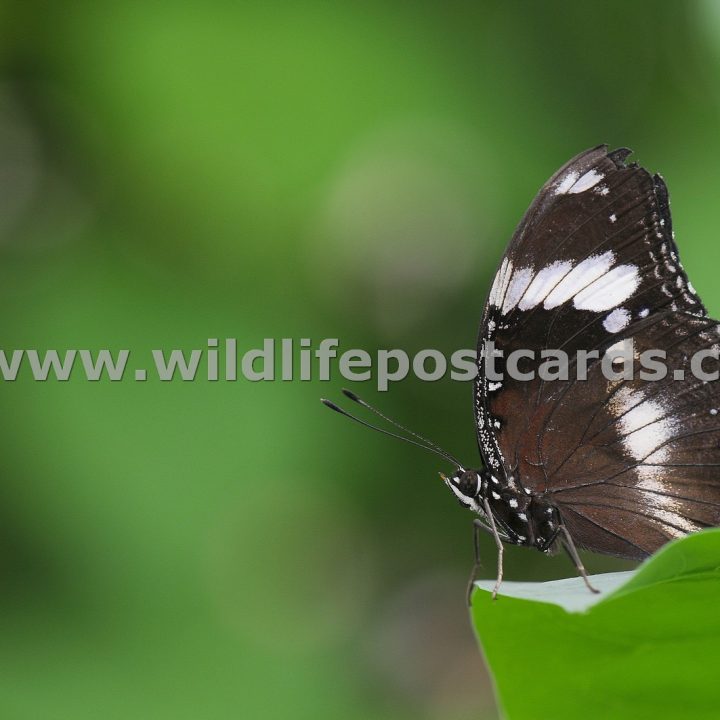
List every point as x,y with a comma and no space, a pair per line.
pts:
468,486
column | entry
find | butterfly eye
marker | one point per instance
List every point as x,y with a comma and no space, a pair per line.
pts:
468,484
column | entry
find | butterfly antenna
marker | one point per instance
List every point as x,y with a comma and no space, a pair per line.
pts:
429,443
419,439
430,448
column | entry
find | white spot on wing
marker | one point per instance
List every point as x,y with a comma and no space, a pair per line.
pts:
617,320
518,284
500,283
613,218
566,183
644,425
543,283
608,291
579,278
646,428
615,346
588,180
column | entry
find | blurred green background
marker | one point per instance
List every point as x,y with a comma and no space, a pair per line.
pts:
175,171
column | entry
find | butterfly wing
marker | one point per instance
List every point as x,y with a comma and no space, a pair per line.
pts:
632,463
592,263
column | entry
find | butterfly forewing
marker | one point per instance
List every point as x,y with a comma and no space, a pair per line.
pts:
629,463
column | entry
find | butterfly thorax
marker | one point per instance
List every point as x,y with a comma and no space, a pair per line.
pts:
520,517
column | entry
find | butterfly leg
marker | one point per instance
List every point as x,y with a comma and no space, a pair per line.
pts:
478,526
569,545
498,543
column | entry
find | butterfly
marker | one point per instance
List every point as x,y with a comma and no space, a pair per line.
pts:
614,463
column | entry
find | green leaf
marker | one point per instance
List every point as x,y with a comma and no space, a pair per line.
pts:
647,647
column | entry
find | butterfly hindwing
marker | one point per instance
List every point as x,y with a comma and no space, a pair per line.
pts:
640,454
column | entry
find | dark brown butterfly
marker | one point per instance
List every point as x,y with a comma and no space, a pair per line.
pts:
618,465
